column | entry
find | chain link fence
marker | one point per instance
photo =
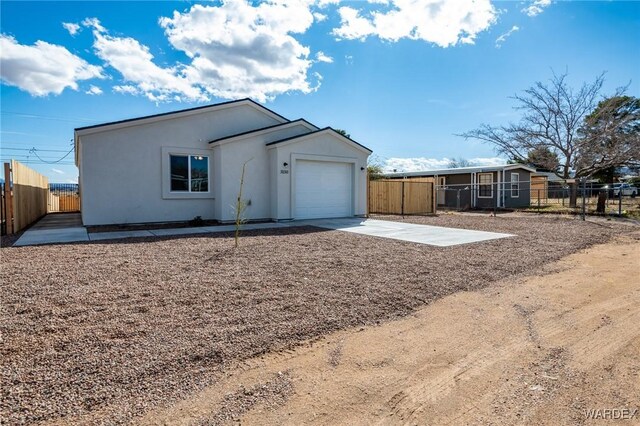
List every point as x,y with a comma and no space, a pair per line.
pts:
588,198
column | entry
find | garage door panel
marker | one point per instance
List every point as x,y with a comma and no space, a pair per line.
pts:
323,189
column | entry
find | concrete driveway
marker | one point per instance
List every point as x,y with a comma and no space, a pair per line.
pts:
421,234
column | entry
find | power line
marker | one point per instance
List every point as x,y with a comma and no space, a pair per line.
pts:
29,149
48,117
34,152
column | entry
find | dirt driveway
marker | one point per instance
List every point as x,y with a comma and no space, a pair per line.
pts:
542,350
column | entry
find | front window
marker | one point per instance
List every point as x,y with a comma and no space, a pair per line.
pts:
485,188
515,185
189,173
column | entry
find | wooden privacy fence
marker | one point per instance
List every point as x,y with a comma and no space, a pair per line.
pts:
25,195
63,197
402,196
539,189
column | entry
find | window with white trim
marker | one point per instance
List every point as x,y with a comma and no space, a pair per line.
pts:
485,185
515,185
189,173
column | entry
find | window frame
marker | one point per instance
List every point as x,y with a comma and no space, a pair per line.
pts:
189,178
515,183
490,174
167,192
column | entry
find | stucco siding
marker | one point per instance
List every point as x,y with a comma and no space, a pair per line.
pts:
321,147
122,175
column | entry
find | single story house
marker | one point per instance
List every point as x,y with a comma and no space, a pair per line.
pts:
479,187
183,164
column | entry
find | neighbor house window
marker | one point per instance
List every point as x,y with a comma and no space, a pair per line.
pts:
189,173
485,185
515,185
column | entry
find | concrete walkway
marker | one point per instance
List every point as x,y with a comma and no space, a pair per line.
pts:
66,228
55,228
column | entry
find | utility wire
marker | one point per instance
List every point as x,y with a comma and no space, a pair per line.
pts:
48,117
35,152
29,149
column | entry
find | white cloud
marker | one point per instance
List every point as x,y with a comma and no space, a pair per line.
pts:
441,22
503,37
536,7
319,17
58,171
418,164
94,90
322,57
134,61
238,49
43,68
126,89
73,28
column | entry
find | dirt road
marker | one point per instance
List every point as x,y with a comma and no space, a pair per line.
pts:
541,350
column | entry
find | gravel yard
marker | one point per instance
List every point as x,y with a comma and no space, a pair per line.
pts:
102,332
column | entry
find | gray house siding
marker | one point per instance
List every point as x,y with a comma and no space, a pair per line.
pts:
523,198
483,202
453,183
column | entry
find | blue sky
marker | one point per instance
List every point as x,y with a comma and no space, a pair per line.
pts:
402,77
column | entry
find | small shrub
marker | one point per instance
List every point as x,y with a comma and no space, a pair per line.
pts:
196,221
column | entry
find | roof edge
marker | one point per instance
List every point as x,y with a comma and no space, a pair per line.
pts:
242,135
182,111
324,129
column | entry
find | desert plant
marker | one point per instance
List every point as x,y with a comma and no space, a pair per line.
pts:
240,207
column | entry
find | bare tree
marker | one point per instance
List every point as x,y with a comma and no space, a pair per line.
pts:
553,120
457,163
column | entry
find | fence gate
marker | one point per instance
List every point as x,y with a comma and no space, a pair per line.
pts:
63,197
402,196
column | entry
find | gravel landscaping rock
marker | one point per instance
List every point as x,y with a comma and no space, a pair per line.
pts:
102,332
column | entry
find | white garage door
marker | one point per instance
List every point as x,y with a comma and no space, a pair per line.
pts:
323,189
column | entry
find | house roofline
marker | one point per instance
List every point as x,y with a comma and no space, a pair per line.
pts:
323,130
183,111
96,128
267,129
461,170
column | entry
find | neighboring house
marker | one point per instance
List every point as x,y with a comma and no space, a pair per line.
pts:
479,187
188,163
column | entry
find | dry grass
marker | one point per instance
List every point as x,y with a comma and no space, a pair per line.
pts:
104,331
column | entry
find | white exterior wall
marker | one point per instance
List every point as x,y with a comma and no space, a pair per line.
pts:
257,178
121,171
319,147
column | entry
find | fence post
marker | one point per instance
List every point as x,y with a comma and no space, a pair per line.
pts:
402,203
8,203
495,203
584,190
538,201
620,202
